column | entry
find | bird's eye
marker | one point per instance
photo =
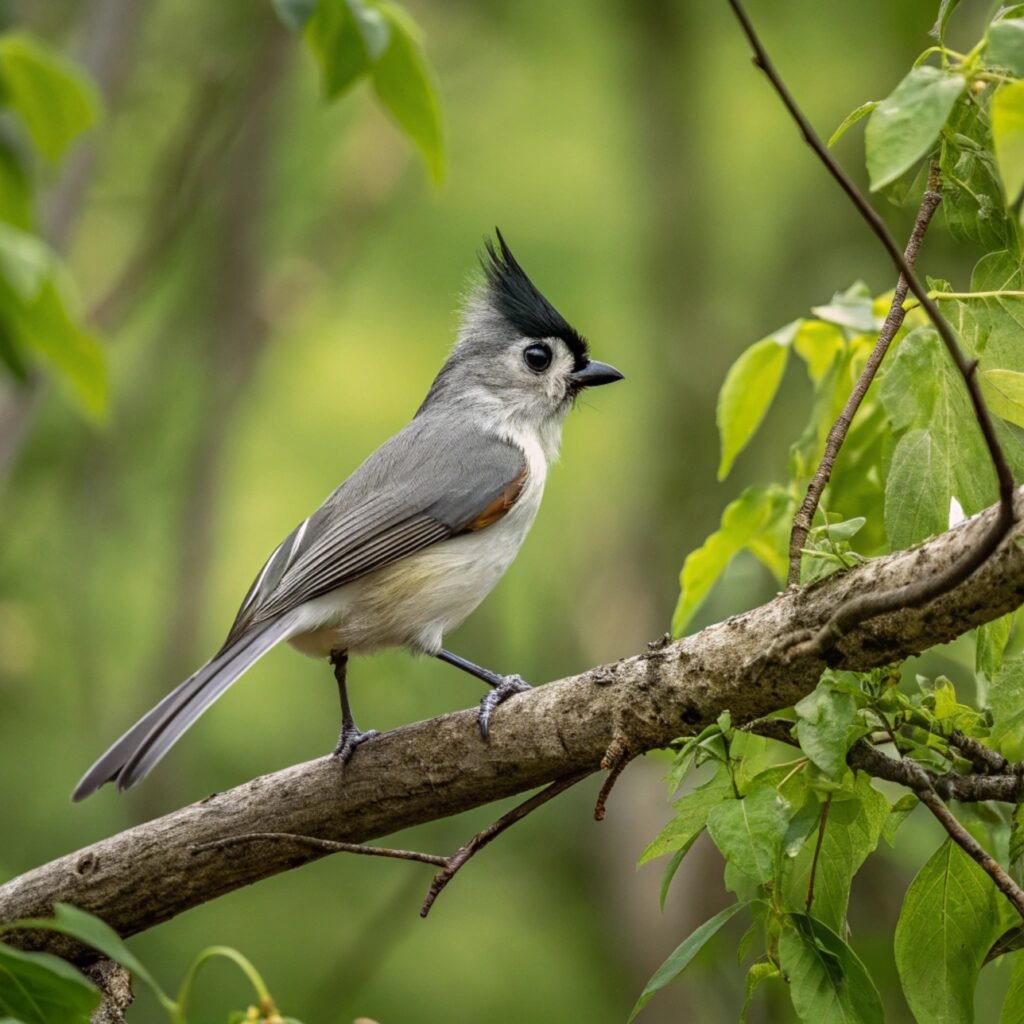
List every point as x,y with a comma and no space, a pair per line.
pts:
537,358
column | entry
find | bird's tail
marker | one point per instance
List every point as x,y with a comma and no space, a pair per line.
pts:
135,754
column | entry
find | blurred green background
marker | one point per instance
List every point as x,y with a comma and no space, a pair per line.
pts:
293,285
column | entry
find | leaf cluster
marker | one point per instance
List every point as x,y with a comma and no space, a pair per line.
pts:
795,833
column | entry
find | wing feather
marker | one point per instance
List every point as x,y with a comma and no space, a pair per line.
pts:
432,481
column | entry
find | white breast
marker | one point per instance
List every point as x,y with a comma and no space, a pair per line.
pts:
418,599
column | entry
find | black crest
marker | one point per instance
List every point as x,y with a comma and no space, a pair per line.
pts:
518,300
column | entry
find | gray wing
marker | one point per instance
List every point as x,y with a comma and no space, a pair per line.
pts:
430,482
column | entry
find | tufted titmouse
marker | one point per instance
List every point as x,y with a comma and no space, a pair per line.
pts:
420,533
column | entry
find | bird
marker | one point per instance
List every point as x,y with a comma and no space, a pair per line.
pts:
418,535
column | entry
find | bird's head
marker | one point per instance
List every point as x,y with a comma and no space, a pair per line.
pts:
515,351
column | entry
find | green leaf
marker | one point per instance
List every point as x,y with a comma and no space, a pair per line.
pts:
1007,117
990,643
946,8
850,120
336,38
818,343
827,981
744,521
294,14
38,988
1003,391
906,124
852,830
681,956
972,196
1006,700
691,815
940,453
94,932
749,832
45,326
26,262
1006,45
1013,1002
55,100
898,813
673,867
404,84
15,190
749,388
352,39
1016,836
948,921
758,973
824,727
853,309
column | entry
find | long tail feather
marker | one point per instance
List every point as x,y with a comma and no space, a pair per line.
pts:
134,755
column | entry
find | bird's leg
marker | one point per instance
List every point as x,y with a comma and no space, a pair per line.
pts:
502,687
351,736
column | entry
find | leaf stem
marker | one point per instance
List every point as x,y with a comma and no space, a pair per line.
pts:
822,822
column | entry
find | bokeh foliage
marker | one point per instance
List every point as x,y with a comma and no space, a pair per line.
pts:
647,180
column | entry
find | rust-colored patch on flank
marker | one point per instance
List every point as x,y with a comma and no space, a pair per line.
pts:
501,504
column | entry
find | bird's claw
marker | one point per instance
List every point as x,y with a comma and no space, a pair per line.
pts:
508,687
350,738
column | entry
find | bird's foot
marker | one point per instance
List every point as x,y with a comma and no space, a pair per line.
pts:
508,687
350,738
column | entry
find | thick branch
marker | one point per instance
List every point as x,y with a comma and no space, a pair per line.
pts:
434,769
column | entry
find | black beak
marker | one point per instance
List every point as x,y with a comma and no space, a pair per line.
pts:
594,374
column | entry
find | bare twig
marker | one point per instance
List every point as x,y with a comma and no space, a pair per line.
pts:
822,822
870,604
455,862
327,845
450,866
837,435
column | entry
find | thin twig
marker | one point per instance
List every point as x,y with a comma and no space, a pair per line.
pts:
985,759
450,866
1005,787
822,822
868,605
481,839
327,845
837,435
1006,885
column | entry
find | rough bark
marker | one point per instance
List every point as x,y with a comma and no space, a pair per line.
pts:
437,768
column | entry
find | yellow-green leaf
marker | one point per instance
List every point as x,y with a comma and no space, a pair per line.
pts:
743,521
1004,393
1007,114
749,388
52,96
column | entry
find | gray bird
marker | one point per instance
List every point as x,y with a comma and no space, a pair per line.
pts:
419,534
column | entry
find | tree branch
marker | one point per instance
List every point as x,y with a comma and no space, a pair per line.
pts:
837,435
434,769
926,587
